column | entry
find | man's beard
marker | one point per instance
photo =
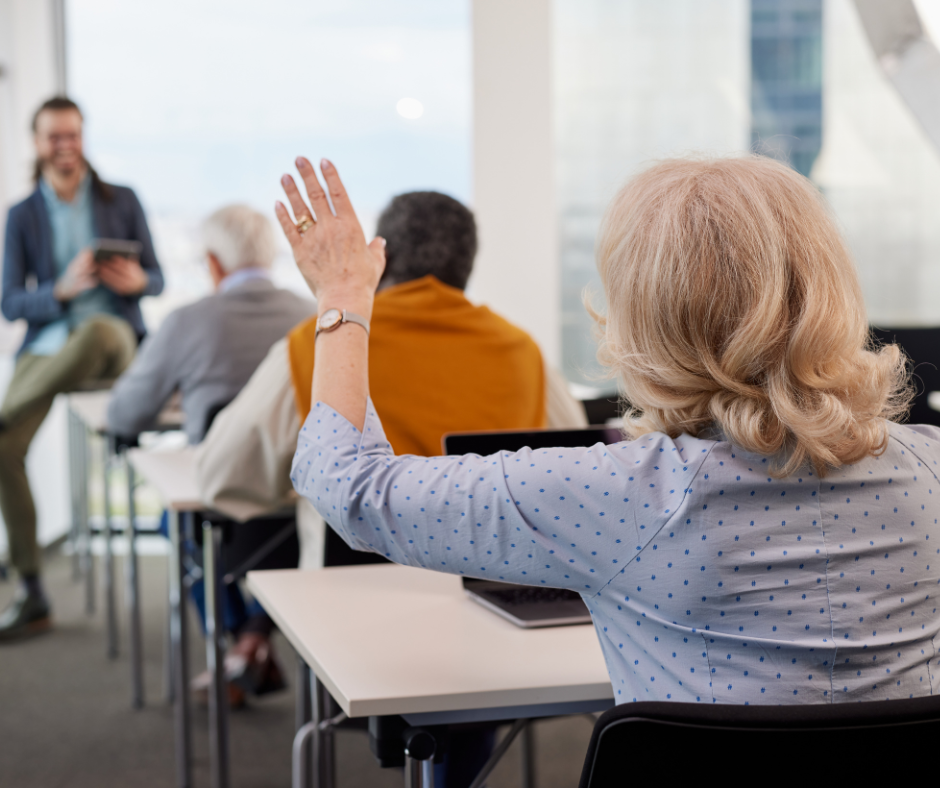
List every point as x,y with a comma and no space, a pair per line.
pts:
72,165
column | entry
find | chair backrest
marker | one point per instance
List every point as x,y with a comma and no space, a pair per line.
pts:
846,741
922,346
211,412
601,410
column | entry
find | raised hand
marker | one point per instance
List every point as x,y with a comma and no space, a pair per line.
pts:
329,247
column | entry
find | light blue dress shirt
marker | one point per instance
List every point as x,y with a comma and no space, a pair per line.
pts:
73,229
707,579
238,277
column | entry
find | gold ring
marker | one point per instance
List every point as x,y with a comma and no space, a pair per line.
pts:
304,224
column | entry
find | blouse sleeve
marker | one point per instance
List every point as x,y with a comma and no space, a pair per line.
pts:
565,517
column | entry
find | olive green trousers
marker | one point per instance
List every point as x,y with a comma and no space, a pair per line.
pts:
101,348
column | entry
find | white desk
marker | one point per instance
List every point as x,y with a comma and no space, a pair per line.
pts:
92,408
172,474
393,640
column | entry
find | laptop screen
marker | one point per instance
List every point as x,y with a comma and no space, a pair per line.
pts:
511,440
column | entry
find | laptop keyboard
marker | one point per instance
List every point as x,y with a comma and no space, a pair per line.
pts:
526,595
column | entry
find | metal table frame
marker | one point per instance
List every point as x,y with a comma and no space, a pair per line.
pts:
314,746
114,452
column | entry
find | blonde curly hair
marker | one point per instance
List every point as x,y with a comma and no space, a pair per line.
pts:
731,298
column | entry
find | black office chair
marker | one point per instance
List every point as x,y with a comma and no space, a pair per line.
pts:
272,544
600,410
845,742
922,346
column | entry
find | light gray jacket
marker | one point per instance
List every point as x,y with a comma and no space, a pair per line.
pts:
207,351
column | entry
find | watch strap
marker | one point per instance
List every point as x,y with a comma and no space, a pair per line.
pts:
347,317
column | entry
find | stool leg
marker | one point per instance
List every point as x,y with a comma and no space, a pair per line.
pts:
75,530
179,645
215,655
133,595
109,595
88,561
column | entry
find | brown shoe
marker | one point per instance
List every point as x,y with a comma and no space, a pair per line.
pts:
26,615
252,665
200,689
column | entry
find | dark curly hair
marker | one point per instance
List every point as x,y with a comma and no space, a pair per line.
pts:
427,233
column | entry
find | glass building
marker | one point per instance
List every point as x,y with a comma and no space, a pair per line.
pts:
786,80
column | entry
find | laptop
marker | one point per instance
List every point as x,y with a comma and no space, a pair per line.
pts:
528,606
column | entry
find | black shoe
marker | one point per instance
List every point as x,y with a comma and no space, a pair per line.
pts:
27,615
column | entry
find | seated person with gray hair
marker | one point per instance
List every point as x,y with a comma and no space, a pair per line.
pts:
207,351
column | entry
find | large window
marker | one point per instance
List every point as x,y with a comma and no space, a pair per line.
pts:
635,81
796,79
199,103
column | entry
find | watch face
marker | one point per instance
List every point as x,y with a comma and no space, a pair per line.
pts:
330,319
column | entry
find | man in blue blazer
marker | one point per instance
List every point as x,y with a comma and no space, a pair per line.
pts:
83,318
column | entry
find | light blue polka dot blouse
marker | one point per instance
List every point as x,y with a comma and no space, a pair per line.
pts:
707,579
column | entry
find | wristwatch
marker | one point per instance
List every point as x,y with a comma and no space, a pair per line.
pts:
334,318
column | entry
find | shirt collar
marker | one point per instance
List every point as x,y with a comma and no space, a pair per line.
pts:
81,194
243,275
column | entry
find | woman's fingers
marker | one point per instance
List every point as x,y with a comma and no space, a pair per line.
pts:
314,189
338,196
287,224
297,204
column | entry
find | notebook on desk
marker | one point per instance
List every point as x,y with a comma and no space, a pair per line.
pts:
528,606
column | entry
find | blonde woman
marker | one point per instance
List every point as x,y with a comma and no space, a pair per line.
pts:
765,534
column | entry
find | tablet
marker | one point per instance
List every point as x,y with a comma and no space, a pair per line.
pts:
106,248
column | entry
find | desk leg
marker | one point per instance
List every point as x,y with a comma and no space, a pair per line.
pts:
303,759
133,594
169,675
109,595
324,739
88,561
419,758
215,654
179,648
527,741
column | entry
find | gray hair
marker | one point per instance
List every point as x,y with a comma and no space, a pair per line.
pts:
239,237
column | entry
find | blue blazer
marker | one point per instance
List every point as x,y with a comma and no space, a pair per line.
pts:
29,272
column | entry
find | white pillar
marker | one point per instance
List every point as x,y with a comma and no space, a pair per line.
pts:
517,270
28,59
31,67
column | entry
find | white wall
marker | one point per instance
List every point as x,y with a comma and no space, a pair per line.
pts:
517,271
28,77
